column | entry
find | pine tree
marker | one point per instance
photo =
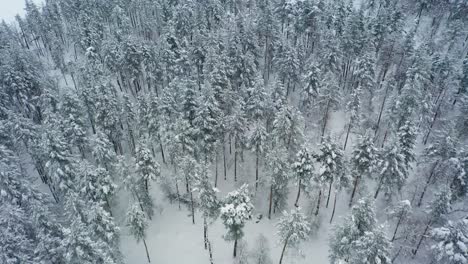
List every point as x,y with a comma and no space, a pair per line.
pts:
136,221
332,164
235,212
363,162
359,239
393,172
401,211
287,128
209,203
303,169
293,228
451,242
258,144
278,169
406,140
147,168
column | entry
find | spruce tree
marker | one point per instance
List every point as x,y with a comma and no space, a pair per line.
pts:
235,212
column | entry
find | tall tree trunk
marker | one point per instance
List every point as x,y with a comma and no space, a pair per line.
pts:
329,193
192,207
224,160
347,136
325,120
284,249
298,194
379,187
210,252
177,191
235,165
356,182
216,170
427,183
397,226
205,232
235,248
162,150
318,202
334,207
147,253
271,202
415,251
256,171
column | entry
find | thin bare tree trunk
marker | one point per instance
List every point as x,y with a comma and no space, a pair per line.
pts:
284,249
427,183
318,202
329,193
334,207
271,201
147,253
356,182
235,248
298,194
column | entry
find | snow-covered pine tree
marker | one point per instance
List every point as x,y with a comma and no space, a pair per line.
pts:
209,203
287,128
293,228
137,223
279,169
393,172
147,169
256,101
208,124
332,163
235,212
451,242
401,211
438,209
353,107
363,162
258,144
303,169
406,141
359,239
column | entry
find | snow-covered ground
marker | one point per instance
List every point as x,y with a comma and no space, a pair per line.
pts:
172,238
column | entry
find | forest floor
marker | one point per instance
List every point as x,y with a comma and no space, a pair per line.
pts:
172,238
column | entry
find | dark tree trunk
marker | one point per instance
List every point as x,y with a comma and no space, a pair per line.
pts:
378,187
235,248
298,194
192,207
318,202
216,170
397,226
329,193
284,249
177,191
415,251
271,201
347,136
210,252
427,183
356,182
325,120
205,232
224,160
162,150
235,165
334,207
147,253
256,171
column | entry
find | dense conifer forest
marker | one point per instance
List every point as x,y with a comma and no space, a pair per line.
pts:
248,131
